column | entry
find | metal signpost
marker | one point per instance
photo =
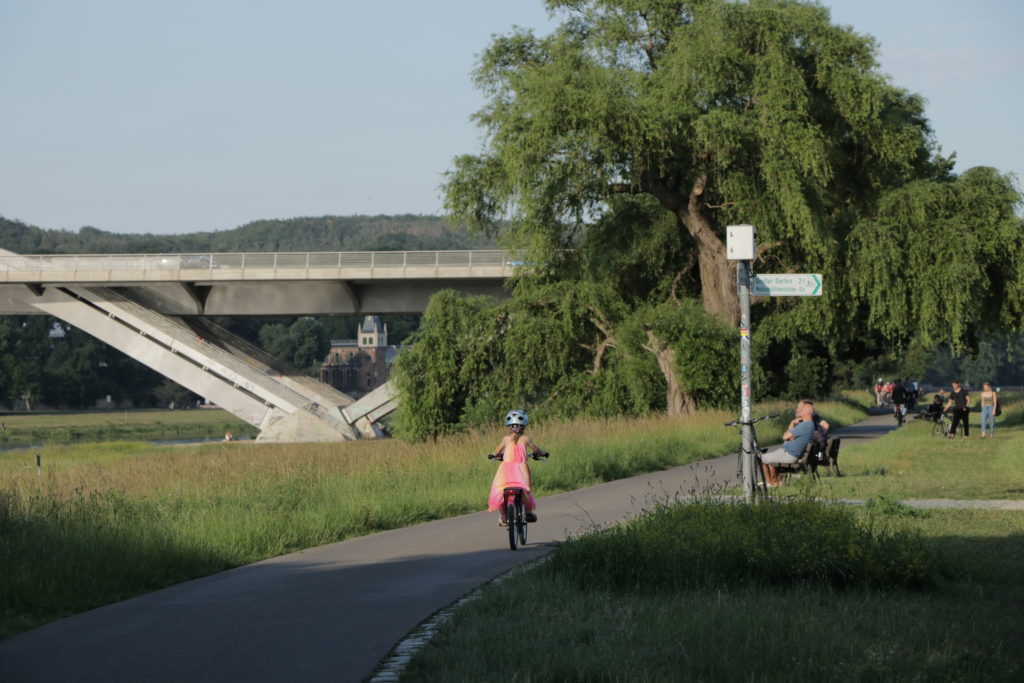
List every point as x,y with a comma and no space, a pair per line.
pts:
741,246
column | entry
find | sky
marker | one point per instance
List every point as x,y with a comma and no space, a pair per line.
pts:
178,116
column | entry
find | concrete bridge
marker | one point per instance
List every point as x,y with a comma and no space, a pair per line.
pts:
154,307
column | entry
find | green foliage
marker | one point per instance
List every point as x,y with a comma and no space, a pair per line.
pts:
884,506
558,352
964,245
637,131
802,542
172,394
448,359
304,343
808,377
704,349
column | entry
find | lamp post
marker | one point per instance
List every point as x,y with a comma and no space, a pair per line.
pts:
741,247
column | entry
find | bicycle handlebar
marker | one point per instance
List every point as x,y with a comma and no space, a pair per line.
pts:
736,423
536,455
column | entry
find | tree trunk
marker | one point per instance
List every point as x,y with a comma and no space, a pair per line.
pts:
717,274
677,400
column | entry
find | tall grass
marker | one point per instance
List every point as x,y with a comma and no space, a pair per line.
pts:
966,628
683,545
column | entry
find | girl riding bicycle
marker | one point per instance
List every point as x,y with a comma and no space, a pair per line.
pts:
513,471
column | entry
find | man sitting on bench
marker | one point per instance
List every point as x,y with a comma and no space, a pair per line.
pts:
796,438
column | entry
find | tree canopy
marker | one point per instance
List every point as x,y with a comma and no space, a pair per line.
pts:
619,147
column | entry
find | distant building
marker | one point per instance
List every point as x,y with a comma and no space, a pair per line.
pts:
358,366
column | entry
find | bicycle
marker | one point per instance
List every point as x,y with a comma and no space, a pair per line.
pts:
941,426
759,484
899,411
514,505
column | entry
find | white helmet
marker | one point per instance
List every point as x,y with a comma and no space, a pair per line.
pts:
516,417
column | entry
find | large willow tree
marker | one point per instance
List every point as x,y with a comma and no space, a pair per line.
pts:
619,147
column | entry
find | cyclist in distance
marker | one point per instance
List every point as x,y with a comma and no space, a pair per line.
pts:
513,470
899,400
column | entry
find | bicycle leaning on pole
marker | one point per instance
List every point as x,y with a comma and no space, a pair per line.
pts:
758,484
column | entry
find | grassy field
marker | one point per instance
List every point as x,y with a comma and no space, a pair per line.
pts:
42,428
915,464
103,521
800,591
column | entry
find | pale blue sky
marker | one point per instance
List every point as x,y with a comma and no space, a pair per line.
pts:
185,115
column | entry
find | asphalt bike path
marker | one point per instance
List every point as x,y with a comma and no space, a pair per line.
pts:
332,613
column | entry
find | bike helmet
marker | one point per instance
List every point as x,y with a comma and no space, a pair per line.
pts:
516,417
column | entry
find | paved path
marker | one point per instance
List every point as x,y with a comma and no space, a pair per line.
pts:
329,613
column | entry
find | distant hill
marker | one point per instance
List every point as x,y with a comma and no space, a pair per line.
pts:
323,233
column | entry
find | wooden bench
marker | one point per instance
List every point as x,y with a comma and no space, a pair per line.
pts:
829,457
807,463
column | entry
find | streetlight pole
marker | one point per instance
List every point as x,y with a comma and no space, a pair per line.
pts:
743,275
741,247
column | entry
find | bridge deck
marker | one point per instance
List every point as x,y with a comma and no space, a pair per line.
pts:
238,267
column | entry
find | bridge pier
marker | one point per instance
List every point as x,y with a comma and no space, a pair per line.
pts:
280,409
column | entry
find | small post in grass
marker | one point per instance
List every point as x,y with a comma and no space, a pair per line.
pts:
39,465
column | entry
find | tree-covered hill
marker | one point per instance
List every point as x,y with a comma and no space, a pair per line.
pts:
323,233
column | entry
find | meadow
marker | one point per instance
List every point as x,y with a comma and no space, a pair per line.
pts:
100,522
798,589
43,428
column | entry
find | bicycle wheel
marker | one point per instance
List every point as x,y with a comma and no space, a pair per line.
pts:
521,522
513,522
758,480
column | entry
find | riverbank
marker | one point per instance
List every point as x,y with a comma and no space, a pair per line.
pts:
45,428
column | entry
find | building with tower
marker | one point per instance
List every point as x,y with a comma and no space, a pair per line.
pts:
358,366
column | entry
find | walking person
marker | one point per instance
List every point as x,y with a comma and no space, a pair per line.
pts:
989,403
960,401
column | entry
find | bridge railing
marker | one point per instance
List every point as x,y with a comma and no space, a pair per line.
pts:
17,267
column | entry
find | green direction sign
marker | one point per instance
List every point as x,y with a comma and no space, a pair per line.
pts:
788,284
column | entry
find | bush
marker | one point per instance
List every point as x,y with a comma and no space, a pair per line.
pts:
714,544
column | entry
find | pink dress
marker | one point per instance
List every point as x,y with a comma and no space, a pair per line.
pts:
511,472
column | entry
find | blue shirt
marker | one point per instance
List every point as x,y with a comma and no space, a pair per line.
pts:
802,433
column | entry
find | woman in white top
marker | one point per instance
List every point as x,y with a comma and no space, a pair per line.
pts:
989,401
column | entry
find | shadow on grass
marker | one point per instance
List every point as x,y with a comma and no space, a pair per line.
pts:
75,557
986,562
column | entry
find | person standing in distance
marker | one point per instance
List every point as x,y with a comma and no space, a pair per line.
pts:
989,404
960,401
